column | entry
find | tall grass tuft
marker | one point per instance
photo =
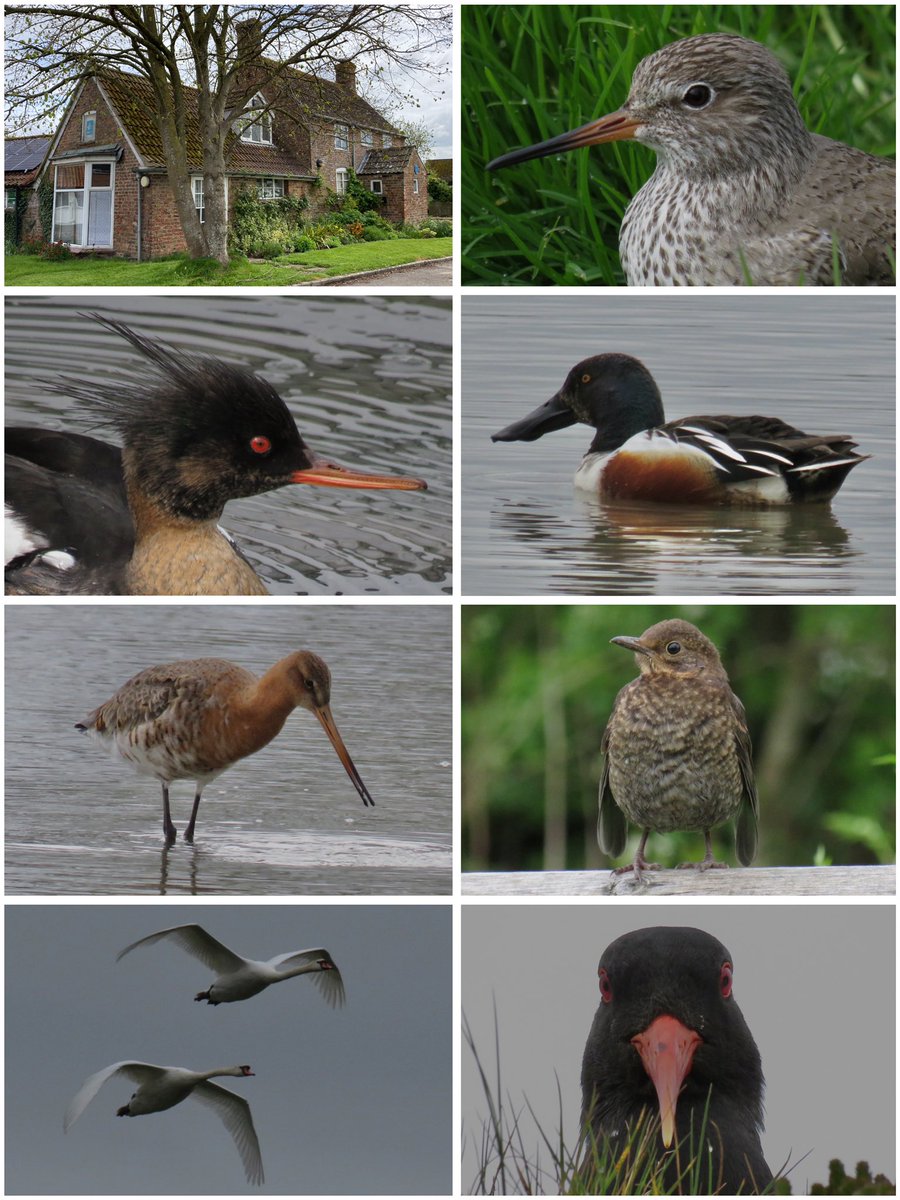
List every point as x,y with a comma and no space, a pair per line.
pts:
531,72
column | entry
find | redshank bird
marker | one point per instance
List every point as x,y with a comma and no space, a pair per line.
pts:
195,719
84,517
668,1037
635,455
742,191
676,749
240,978
160,1088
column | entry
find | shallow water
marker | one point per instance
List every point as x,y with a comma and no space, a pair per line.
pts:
287,820
368,380
822,362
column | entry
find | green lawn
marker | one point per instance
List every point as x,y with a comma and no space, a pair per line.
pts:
24,270
530,72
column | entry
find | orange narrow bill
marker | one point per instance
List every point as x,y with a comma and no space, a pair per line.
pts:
326,720
667,1049
329,474
613,128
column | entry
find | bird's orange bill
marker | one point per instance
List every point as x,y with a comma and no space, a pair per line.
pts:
667,1051
329,474
614,128
326,720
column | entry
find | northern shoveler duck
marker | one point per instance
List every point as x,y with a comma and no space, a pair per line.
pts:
195,719
84,517
637,455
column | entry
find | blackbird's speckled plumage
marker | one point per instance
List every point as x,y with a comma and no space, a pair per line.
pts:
741,187
677,753
668,1038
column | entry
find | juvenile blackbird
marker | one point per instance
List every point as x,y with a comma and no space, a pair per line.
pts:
677,752
669,1037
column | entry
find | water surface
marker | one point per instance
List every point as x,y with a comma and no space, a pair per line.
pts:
285,821
822,362
368,380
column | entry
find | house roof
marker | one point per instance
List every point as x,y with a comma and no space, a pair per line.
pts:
325,98
392,161
23,157
133,99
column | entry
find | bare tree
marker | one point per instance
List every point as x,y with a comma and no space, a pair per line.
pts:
51,48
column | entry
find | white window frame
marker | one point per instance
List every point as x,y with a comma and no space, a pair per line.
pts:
415,185
197,182
341,136
377,187
10,198
387,141
256,130
270,189
89,117
341,179
86,191
367,137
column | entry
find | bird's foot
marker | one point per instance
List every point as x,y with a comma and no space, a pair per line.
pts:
707,864
169,835
640,864
202,996
123,1111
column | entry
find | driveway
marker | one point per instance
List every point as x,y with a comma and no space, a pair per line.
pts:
436,272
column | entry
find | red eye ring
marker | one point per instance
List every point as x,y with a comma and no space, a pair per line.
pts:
260,445
606,992
726,975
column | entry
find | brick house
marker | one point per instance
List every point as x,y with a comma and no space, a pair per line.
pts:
108,171
22,158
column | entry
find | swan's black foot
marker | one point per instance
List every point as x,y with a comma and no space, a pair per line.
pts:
203,996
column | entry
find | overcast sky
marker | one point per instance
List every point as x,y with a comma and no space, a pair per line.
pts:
354,1100
815,984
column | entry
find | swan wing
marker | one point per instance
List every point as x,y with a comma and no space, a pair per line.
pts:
234,1112
140,1072
330,983
196,941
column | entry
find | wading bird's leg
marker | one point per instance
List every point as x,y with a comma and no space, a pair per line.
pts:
169,831
189,832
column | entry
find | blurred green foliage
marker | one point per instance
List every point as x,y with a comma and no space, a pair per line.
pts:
538,684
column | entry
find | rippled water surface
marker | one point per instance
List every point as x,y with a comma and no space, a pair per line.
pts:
285,821
368,380
822,362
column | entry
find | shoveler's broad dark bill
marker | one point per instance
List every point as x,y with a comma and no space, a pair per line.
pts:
87,518
195,719
676,749
637,455
742,191
668,1037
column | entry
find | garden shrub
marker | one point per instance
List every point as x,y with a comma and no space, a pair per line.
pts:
256,223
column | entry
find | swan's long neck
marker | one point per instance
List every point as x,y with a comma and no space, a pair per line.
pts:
303,969
221,1071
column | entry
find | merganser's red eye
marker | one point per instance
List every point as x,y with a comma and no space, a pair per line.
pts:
260,445
606,992
725,977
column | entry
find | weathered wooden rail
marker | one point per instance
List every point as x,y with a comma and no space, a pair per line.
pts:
759,881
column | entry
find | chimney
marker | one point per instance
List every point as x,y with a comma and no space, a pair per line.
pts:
345,75
249,40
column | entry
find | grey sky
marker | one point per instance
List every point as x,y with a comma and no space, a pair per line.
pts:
814,982
355,1100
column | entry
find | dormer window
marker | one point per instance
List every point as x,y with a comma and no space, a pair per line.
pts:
256,129
89,127
341,137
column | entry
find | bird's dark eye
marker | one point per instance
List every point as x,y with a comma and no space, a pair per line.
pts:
725,977
585,379
606,992
698,95
310,685
673,648
260,445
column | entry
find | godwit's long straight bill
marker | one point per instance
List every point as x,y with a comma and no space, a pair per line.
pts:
326,720
328,474
614,128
